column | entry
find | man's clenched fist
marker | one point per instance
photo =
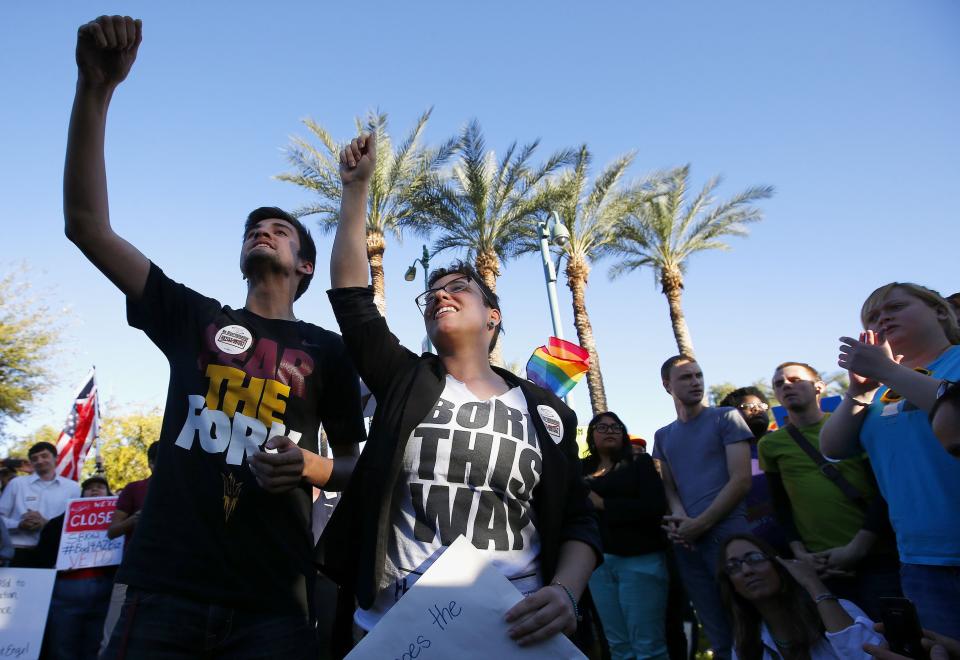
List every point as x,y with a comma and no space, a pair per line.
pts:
107,48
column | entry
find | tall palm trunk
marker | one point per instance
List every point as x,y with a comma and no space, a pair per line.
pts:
488,267
671,279
578,271
376,245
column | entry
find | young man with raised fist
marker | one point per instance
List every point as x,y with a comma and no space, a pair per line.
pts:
222,561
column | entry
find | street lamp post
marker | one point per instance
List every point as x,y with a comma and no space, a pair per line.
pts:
411,274
550,231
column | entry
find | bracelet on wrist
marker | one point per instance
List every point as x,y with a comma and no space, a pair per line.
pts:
573,601
824,597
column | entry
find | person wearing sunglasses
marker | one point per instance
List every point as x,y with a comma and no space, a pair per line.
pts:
754,408
899,368
630,587
457,447
781,609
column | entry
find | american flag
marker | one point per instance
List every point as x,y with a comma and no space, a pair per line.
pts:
80,431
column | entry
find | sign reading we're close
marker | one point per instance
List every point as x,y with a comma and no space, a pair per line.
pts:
84,543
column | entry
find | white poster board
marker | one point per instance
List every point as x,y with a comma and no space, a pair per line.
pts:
84,543
24,601
455,610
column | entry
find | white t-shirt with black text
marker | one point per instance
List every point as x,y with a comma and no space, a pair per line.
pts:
469,468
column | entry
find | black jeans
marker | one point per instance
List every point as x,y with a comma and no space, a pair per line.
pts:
167,627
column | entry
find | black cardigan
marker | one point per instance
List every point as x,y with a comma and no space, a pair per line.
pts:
634,504
354,545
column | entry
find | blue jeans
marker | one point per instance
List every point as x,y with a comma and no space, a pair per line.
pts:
77,611
631,596
698,571
157,626
935,590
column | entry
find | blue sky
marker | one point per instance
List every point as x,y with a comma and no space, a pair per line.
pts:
847,108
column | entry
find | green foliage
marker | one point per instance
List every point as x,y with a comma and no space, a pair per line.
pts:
400,170
484,206
837,383
592,211
716,393
123,446
28,334
666,230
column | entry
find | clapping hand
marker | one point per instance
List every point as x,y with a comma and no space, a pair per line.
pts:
867,360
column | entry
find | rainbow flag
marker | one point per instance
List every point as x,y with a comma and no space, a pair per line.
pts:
558,366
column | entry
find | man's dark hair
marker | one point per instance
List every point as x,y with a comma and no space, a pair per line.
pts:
308,249
490,299
152,452
736,397
42,446
95,479
671,363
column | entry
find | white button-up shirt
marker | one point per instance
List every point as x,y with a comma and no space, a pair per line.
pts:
31,493
846,644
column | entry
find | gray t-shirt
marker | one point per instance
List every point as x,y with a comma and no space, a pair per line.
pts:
695,453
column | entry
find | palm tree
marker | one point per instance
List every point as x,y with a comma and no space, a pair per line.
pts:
484,205
665,230
399,172
591,212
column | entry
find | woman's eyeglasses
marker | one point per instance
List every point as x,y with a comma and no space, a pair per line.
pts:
735,565
608,428
754,407
458,285
429,297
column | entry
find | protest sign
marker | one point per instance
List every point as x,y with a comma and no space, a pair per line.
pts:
24,601
455,610
84,543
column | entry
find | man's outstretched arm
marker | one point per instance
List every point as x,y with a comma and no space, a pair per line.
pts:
106,49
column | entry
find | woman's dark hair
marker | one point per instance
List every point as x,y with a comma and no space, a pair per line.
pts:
804,618
592,460
490,299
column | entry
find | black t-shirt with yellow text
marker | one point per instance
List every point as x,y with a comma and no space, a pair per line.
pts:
207,530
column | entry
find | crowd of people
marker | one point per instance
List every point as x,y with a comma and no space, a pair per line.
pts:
789,543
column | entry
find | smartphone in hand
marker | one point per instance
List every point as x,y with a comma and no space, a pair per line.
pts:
901,627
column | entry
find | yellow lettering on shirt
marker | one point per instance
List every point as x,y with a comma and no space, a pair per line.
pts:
261,398
272,407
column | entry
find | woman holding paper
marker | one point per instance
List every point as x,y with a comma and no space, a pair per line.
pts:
630,588
457,447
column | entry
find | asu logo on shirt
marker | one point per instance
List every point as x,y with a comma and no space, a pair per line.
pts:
250,383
